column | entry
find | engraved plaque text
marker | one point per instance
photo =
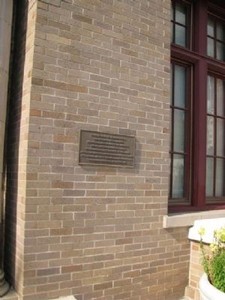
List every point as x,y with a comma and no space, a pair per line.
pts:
100,148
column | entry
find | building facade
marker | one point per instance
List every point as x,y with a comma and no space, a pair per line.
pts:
92,231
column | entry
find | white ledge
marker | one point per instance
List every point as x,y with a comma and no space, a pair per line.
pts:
188,219
209,225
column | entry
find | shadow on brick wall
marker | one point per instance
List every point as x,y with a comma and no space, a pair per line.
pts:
13,136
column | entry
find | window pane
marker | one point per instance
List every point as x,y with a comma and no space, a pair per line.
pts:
220,177
215,138
180,133
210,94
220,50
210,136
178,177
216,39
210,28
210,47
179,121
220,32
180,19
180,35
220,137
180,16
179,88
220,97
209,177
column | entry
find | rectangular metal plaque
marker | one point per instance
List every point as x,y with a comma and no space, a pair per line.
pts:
98,148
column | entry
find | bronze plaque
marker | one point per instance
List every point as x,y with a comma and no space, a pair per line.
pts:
98,148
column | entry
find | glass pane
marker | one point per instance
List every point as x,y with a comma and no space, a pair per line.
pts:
210,47
220,177
209,177
179,130
180,14
220,32
210,95
220,97
210,136
210,28
180,35
178,177
220,137
179,86
220,50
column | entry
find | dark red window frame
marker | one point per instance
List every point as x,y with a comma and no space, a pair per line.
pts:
202,65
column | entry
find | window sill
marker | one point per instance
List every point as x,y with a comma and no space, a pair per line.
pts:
209,226
188,219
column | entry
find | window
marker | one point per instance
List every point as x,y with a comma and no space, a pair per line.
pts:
215,38
180,24
215,150
197,175
180,111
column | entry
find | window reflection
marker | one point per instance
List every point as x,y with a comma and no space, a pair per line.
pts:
179,145
215,146
216,38
178,177
180,20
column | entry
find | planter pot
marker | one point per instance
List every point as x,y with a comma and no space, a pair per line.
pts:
208,291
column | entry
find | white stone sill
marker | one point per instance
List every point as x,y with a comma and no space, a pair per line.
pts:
209,225
188,219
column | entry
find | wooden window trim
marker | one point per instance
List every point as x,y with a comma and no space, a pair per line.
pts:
202,66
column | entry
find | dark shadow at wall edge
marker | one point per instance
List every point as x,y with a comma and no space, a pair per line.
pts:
11,159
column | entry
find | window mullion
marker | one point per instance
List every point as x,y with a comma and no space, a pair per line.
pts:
200,22
199,105
199,138
215,139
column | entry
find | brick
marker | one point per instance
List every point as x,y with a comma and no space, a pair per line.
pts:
103,286
82,19
95,232
47,272
71,269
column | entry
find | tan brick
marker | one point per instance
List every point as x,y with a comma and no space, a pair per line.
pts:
48,271
92,231
71,269
82,18
103,286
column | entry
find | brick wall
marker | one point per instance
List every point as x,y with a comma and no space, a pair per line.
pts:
195,271
17,141
96,232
